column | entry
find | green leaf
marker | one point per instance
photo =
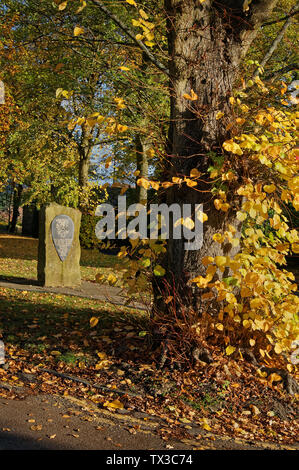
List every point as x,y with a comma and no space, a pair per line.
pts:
159,271
142,333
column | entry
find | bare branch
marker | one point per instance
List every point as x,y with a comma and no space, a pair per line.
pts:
279,20
274,44
283,70
130,33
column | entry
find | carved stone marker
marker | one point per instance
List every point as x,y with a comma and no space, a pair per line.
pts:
62,228
59,247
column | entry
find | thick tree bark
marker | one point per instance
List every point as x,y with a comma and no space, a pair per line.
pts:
206,44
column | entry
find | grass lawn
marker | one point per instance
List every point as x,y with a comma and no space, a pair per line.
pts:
18,259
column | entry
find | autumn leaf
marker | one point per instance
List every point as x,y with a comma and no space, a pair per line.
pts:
192,97
78,30
93,321
62,6
115,404
230,350
159,270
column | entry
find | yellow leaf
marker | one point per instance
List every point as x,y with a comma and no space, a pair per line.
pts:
277,348
122,128
155,185
219,115
192,97
62,6
78,31
217,204
269,188
93,321
131,2
255,410
217,237
190,183
194,173
241,216
207,260
116,404
295,247
83,5
274,378
219,326
224,207
111,279
220,260
204,425
143,14
233,147
102,355
202,216
230,298
188,223
99,277
229,350
144,183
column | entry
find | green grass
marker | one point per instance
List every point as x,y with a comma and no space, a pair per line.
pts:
18,259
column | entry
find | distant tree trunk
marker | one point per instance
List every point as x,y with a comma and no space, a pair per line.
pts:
206,44
85,151
17,197
142,146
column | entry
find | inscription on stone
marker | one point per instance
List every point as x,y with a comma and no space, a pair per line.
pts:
62,228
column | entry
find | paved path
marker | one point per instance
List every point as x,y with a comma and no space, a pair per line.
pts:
47,422
90,290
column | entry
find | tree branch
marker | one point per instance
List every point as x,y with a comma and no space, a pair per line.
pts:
283,70
130,33
268,23
260,10
274,44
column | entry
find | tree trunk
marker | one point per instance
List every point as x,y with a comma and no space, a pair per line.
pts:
17,196
206,44
142,146
85,151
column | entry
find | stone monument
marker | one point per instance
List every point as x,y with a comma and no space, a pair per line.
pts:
59,247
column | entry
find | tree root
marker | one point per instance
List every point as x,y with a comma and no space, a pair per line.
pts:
203,355
289,383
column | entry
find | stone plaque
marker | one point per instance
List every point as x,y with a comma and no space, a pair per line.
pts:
62,228
59,246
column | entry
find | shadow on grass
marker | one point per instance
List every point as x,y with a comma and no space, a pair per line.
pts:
24,248
19,280
50,322
16,247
